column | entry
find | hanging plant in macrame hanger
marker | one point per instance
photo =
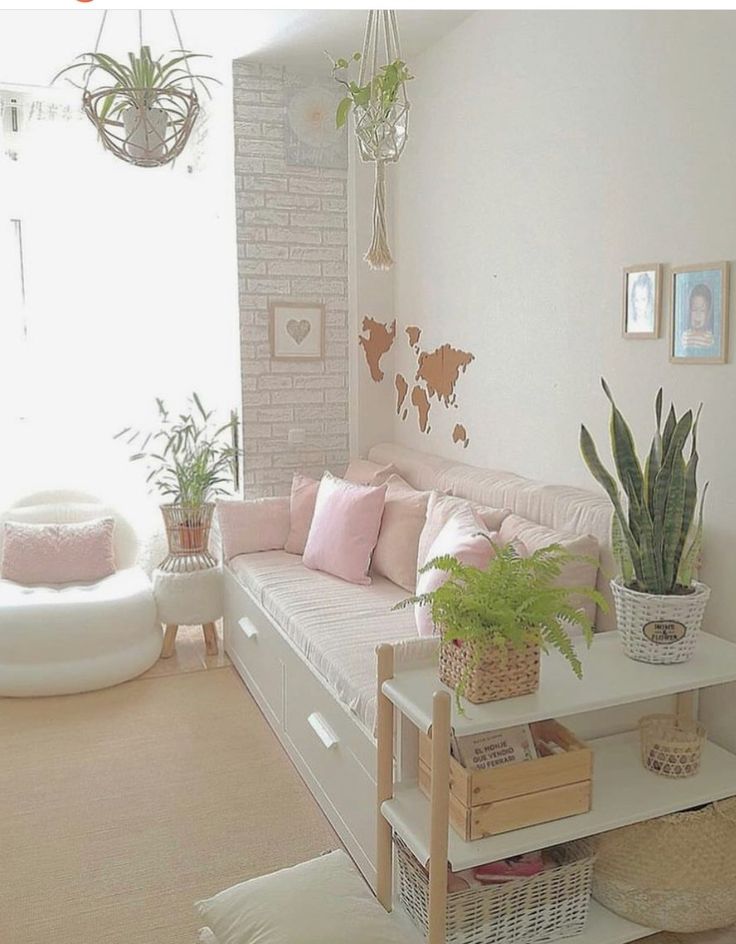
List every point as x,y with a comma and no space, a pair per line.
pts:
381,114
144,109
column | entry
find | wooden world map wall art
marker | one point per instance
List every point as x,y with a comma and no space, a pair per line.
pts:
437,373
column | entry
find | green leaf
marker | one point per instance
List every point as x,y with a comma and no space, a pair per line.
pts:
343,110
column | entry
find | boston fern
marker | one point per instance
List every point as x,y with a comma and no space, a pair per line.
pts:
515,601
657,526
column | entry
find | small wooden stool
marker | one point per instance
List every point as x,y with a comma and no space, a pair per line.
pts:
189,599
210,639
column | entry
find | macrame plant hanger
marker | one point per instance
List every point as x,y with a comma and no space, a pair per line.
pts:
148,127
381,129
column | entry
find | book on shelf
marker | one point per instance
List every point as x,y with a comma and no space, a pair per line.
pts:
489,749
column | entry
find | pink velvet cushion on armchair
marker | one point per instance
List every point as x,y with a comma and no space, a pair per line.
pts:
58,553
462,538
344,530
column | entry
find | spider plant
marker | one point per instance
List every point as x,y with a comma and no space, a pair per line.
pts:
381,91
142,74
190,459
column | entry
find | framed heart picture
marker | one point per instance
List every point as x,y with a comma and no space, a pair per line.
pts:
297,331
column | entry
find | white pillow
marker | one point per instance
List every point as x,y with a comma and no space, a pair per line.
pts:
318,902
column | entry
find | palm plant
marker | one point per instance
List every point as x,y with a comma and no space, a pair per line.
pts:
153,78
516,601
190,460
657,524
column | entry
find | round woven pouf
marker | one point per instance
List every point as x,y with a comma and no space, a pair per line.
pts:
189,600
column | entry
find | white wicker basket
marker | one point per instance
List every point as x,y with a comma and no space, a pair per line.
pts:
656,628
546,907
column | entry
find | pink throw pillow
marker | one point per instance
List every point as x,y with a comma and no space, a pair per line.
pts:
249,526
58,553
462,538
301,509
441,508
344,531
365,472
404,515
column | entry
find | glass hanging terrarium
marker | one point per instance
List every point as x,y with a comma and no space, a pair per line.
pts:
381,114
144,109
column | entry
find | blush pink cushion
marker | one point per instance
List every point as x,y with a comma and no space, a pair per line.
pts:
58,553
462,538
365,472
301,510
344,531
404,514
443,507
530,536
248,526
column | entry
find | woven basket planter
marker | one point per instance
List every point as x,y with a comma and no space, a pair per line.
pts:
676,873
656,628
188,536
671,745
546,907
500,673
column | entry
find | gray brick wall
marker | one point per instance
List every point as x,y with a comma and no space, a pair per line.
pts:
292,243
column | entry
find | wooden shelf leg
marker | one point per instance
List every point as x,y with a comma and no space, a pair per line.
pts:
169,641
440,812
384,779
687,705
210,638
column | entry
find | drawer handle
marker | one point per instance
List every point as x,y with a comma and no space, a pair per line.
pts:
248,628
323,731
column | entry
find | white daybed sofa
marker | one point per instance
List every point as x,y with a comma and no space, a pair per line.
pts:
304,641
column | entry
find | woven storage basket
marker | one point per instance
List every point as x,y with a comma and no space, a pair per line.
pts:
671,745
549,906
676,873
500,673
656,628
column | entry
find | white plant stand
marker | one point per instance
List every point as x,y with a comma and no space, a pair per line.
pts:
624,792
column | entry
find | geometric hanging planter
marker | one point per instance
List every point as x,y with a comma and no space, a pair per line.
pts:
146,109
145,127
381,115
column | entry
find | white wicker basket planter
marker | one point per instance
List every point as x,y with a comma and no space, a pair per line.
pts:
549,906
656,628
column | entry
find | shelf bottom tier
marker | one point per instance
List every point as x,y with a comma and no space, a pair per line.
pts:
603,927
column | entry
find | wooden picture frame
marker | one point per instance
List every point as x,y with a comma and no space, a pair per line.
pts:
699,313
641,306
297,330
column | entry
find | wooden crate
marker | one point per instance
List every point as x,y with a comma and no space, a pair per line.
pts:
488,802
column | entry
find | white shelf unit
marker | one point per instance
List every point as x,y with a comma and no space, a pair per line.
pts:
624,792
609,679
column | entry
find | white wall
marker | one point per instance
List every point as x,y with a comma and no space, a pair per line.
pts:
547,151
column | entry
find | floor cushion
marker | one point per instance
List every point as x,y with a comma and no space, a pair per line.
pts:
317,902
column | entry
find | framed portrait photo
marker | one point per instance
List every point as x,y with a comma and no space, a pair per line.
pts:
699,329
642,301
297,331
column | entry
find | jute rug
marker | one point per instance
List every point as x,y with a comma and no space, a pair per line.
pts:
120,808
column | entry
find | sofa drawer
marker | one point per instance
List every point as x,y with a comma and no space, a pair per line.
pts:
329,743
255,647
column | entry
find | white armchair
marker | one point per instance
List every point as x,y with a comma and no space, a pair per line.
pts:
61,639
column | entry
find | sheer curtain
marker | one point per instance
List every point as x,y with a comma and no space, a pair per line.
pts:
130,294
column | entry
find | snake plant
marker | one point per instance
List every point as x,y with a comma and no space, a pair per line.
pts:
657,524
